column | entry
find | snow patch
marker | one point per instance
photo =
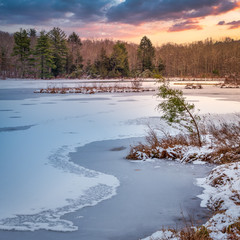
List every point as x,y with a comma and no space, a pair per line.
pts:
221,193
162,235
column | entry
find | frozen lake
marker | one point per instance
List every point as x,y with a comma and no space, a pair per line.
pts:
44,188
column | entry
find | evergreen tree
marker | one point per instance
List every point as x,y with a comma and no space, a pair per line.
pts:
74,41
32,33
74,58
22,49
146,54
119,60
3,62
59,45
32,63
88,67
102,64
44,56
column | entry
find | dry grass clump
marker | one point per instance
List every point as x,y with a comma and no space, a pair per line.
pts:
233,231
221,145
236,197
93,89
200,233
226,141
225,133
188,233
231,81
191,233
216,207
220,180
136,83
193,86
169,147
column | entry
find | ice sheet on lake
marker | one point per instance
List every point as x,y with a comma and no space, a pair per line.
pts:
38,183
36,176
50,219
88,189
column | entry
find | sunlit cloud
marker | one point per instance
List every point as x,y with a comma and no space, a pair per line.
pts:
129,20
186,25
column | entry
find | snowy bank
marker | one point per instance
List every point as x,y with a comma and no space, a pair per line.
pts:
222,194
221,187
220,143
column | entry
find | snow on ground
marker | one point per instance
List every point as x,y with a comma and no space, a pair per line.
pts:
59,83
222,193
162,235
71,83
183,154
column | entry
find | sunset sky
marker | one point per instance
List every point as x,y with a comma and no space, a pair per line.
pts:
163,21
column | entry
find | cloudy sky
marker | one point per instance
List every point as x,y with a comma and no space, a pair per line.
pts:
162,21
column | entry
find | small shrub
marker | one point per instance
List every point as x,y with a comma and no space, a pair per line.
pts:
176,110
223,144
220,180
136,84
190,233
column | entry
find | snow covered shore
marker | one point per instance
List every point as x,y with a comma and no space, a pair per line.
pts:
222,195
221,187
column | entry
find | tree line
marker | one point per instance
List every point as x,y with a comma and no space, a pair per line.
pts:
53,54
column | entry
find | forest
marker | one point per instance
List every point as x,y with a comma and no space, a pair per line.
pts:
53,54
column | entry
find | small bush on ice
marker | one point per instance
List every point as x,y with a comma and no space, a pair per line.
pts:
221,144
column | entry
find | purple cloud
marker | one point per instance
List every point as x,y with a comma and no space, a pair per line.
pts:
232,25
221,23
138,11
183,26
42,11
72,13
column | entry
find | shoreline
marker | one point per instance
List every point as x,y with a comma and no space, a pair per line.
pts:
100,222
107,149
180,79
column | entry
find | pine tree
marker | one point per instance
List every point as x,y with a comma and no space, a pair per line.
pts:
176,110
32,63
119,60
146,54
102,65
22,49
74,41
59,44
32,33
44,55
74,58
3,62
